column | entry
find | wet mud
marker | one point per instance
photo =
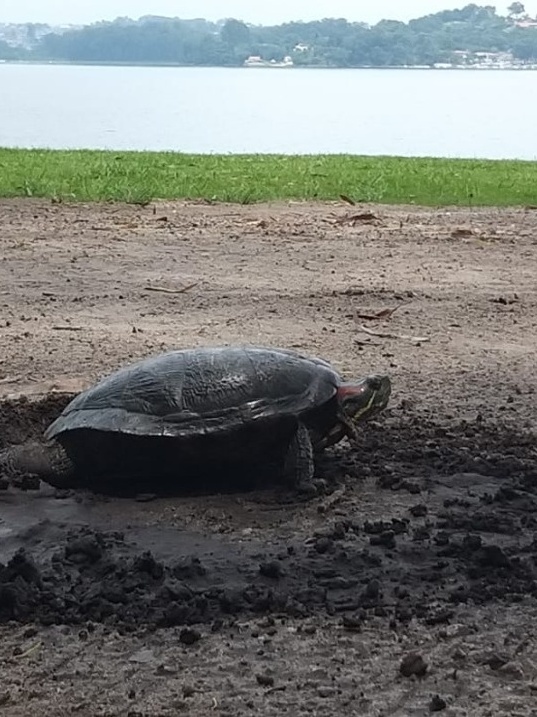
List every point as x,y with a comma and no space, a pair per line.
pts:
457,515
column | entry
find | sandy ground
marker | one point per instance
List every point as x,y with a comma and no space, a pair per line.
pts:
257,603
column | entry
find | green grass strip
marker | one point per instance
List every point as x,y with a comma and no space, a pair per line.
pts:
140,177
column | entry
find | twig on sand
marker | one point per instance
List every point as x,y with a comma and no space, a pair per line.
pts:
164,290
366,217
67,328
388,335
30,650
367,342
382,314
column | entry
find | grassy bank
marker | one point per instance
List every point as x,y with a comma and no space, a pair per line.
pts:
141,177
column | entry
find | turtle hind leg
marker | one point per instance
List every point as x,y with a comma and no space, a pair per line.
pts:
299,465
47,461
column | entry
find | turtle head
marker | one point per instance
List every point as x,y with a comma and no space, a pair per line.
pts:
358,401
364,399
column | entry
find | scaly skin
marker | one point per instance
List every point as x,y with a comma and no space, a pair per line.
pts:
47,461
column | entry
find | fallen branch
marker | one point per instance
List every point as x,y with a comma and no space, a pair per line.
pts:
164,290
382,314
366,217
387,335
67,328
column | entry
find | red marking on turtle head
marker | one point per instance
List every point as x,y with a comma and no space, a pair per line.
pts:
351,389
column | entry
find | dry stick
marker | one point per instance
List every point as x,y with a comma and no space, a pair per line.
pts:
164,290
362,217
30,650
11,379
67,328
382,314
387,335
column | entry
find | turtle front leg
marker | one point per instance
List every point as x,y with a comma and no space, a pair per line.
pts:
299,463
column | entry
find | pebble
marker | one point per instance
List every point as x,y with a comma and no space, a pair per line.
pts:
413,664
437,704
323,545
272,569
325,692
513,670
143,657
418,511
188,636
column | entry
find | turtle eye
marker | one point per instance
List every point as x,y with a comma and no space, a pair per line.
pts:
375,383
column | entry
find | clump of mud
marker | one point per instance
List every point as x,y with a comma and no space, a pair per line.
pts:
392,569
467,535
25,419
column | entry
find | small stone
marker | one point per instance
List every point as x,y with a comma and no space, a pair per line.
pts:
272,569
165,671
458,654
386,539
143,657
413,664
513,670
188,636
372,590
437,704
188,690
472,542
456,629
352,623
418,511
495,661
325,692
265,680
323,544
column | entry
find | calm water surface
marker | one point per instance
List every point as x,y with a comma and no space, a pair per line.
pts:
489,114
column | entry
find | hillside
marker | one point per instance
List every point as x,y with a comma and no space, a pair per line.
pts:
474,35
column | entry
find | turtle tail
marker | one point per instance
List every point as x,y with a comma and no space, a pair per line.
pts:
47,461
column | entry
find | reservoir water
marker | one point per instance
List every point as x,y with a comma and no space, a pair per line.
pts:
443,113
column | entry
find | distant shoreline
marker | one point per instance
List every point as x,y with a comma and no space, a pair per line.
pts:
457,68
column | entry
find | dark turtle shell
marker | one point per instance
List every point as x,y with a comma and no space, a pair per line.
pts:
199,392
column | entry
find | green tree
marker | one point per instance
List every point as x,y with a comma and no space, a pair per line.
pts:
516,9
235,33
329,42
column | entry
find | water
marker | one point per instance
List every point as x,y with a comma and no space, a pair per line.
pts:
488,114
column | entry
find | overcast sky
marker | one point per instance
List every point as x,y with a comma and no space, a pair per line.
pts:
272,11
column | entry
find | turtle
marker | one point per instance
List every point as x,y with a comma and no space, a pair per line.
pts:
190,411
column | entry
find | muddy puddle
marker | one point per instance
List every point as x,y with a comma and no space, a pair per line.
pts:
421,518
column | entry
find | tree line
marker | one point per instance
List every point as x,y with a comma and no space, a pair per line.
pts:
326,43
